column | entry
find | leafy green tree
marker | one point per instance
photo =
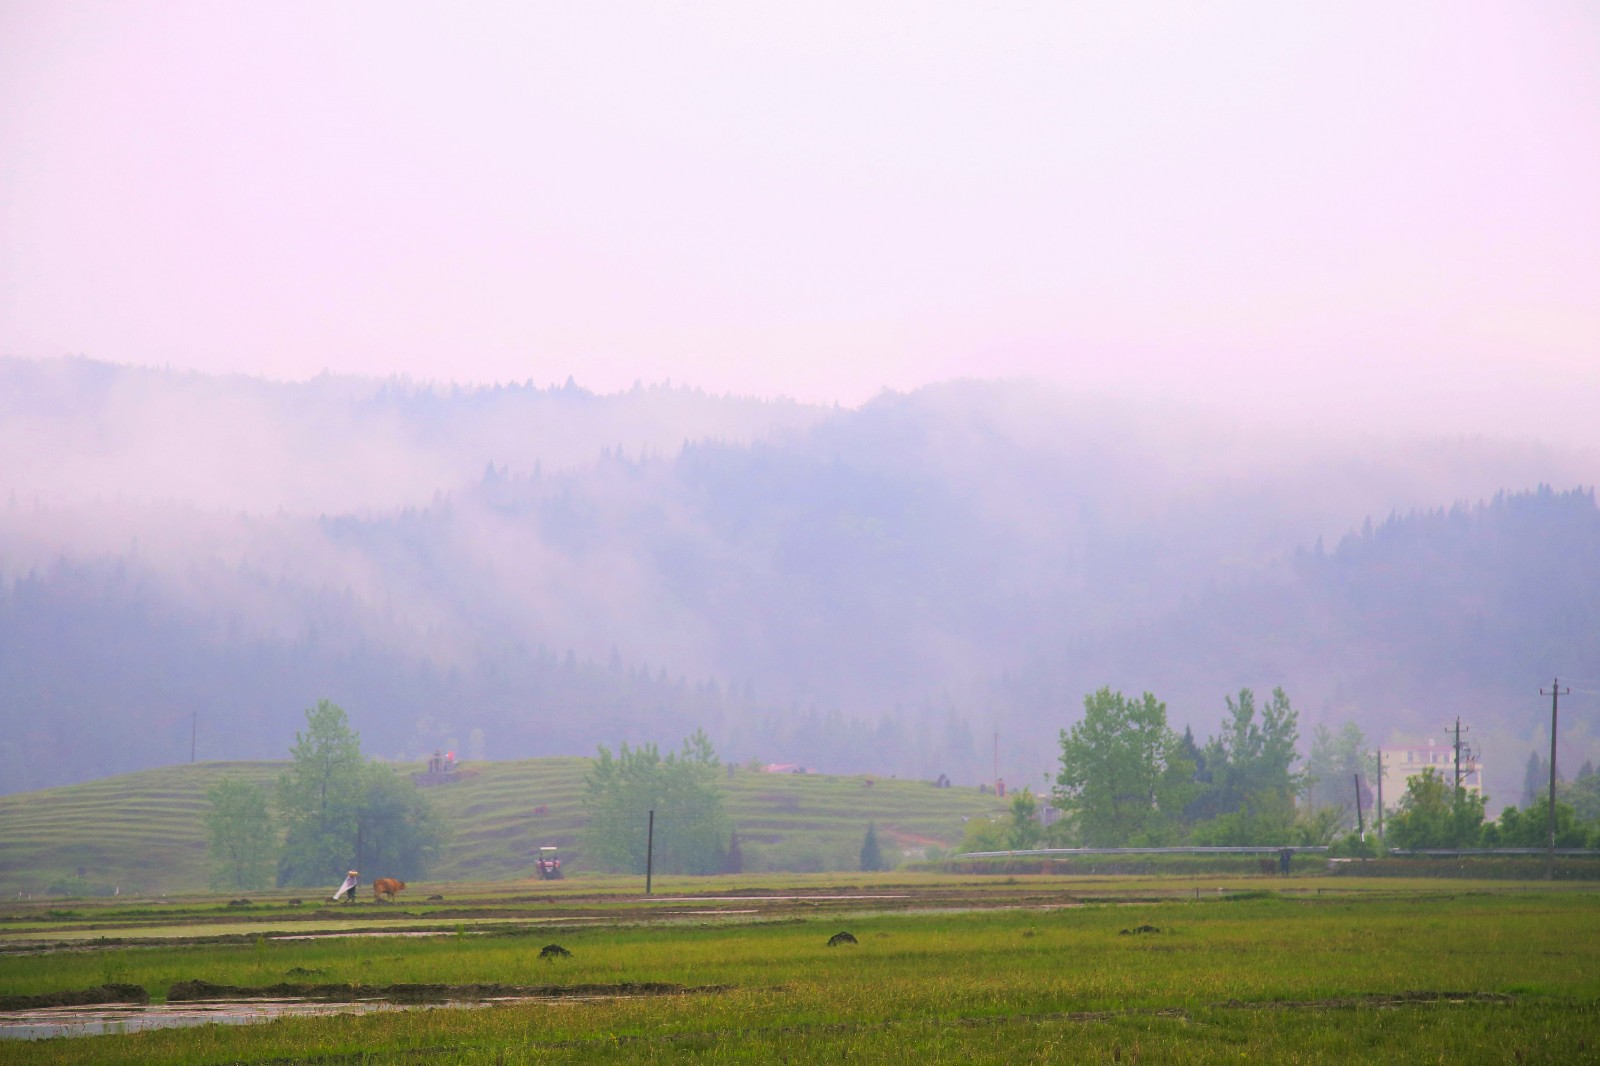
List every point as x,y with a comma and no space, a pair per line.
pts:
871,855
318,797
398,832
1316,827
239,838
1331,765
1123,778
1530,827
1251,758
1429,815
340,813
1351,846
983,834
1583,793
1018,829
1265,818
1023,831
690,824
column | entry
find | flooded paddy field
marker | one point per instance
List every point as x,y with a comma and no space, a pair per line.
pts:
998,970
201,1004
45,1022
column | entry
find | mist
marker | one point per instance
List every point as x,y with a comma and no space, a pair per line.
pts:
865,588
859,383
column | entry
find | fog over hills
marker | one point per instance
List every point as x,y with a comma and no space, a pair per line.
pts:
522,570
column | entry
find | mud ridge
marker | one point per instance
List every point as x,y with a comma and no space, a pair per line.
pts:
1379,999
79,997
201,991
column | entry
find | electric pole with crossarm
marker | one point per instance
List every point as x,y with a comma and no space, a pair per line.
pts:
1556,692
1459,749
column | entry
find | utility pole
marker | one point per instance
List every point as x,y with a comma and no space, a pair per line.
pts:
1361,825
194,731
1550,854
1380,793
1458,746
649,852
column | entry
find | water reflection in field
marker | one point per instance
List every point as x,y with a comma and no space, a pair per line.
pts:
126,1018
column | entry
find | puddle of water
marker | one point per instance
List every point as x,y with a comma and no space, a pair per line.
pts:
98,1021
767,899
342,933
377,932
718,914
106,1019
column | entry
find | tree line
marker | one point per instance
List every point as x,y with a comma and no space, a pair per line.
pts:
1434,814
1127,779
331,811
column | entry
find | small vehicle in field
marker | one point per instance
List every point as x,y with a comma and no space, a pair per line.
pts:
547,865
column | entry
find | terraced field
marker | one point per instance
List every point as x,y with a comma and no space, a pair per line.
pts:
144,833
141,833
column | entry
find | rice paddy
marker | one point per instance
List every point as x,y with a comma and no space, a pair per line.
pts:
944,969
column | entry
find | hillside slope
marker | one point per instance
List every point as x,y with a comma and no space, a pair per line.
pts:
928,584
143,833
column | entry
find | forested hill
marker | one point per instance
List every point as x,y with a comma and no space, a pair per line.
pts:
1411,622
523,571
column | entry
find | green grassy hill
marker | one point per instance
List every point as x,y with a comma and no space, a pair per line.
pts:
144,833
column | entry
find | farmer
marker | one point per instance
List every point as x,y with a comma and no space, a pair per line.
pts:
348,889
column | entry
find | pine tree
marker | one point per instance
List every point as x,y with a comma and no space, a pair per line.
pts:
1535,778
871,856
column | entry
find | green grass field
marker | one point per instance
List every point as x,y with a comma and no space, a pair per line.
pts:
144,833
945,970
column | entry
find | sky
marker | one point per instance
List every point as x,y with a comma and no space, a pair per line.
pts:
1359,215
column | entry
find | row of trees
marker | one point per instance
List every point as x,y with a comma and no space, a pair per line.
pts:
1127,779
331,811
1433,814
693,834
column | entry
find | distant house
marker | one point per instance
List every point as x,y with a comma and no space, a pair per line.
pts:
1402,763
783,768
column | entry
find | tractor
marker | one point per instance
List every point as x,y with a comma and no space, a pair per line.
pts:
547,865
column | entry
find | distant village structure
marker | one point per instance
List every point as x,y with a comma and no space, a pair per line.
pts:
1401,764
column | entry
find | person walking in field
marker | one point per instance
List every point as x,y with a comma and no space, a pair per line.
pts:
348,889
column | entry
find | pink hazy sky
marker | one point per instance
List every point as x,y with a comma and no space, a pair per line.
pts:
1362,214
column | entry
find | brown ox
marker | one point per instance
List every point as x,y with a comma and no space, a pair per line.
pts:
386,886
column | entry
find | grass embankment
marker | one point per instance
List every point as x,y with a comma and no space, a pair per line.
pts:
145,834
1401,977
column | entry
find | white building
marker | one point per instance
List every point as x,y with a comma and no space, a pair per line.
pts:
1402,763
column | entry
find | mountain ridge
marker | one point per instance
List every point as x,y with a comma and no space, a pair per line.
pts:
884,587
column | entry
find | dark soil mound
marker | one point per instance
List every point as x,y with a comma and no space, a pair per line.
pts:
78,997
